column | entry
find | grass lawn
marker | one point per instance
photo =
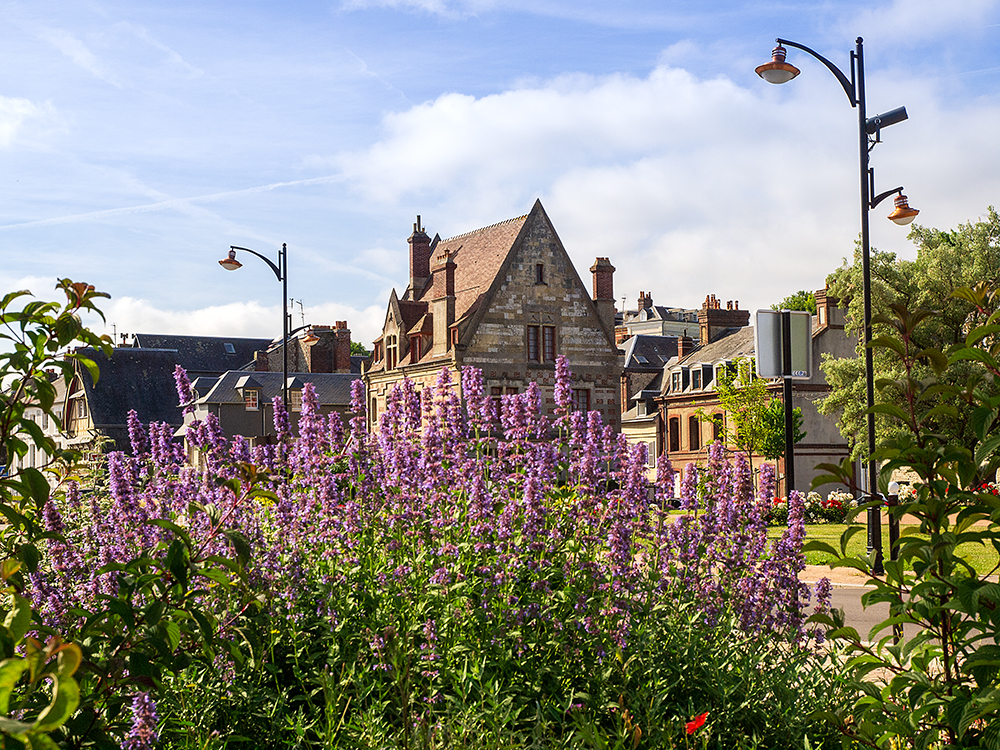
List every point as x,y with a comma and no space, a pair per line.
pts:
982,558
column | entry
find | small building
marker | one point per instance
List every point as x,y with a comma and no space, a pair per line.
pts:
242,401
656,320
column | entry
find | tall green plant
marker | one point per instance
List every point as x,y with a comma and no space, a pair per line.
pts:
939,684
38,690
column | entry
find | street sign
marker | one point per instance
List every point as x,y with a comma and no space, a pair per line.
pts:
767,335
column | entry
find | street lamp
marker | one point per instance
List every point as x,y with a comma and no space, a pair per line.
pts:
869,133
281,272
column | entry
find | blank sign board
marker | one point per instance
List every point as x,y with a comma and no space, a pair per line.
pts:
767,343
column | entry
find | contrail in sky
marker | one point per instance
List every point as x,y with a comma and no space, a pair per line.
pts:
172,203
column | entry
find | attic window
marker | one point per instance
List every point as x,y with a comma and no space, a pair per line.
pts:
539,273
696,378
250,398
641,359
295,400
230,349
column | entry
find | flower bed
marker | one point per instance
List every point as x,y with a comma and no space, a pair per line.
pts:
834,508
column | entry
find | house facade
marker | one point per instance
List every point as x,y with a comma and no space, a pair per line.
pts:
685,392
243,401
505,299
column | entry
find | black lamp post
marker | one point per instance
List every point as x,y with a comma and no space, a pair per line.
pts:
281,272
869,133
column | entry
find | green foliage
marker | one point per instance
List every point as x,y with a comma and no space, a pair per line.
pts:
801,300
36,680
946,261
755,420
318,688
358,349
939,685
41,675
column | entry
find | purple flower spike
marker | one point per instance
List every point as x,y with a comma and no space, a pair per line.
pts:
143,734
184,394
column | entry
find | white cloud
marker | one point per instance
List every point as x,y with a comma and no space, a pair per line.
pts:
130,315
15,112
691,186
909,21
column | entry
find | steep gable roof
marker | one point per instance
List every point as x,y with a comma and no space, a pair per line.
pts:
478,256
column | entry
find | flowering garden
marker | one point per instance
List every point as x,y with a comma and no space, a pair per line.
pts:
459,578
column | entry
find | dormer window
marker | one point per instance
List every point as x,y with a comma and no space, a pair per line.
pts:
295,400
230,349
676,380
696,378
251,398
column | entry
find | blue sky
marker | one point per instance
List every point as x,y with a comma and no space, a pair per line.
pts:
138,140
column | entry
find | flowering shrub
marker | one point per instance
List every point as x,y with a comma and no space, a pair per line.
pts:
834,508
436,564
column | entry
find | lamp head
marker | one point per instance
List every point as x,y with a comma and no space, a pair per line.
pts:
230,263
902,214
777,71
884,120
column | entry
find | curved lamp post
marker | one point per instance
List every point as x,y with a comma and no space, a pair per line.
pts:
869,133
281,272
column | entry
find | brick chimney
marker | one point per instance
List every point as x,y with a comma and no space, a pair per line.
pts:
685,345
443,302
604,292
712,319
317,346
342,347
645,300
420,257
260,363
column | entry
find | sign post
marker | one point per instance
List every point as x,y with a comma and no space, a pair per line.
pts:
783,348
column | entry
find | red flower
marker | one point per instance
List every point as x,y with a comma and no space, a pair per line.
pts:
696,723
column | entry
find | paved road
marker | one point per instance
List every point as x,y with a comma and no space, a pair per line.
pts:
848,598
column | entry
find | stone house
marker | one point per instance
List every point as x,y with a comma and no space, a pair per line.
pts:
505,299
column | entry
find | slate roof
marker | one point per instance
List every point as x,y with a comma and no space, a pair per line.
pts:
204,355
140,379
332,388
649,352
730,343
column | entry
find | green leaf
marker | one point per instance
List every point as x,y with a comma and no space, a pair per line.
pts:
19,618
38,486
65,699
13,727
240,545
10,672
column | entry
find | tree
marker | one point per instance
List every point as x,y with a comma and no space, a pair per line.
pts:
358,349
946,261
756,421
941,686
801,300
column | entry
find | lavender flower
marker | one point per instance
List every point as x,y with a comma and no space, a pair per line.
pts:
143,734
